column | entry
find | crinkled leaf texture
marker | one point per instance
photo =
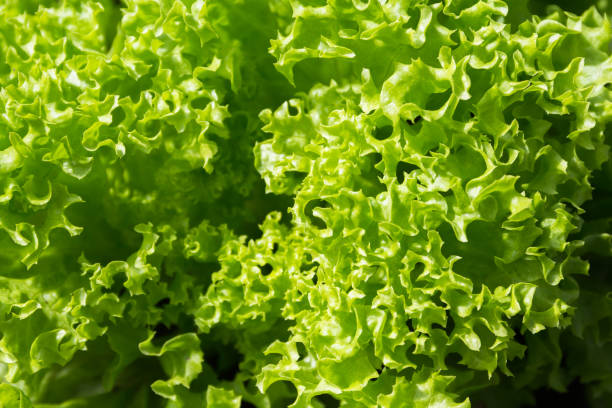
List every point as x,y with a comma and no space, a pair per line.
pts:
305,203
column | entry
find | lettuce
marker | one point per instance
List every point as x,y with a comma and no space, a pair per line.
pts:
303,203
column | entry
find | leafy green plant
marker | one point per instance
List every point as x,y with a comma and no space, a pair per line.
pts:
306,203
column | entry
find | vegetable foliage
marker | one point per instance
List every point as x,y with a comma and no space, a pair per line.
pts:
209,203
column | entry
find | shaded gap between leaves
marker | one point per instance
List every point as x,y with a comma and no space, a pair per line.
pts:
113,23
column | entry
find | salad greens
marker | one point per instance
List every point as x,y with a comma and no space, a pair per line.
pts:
305,203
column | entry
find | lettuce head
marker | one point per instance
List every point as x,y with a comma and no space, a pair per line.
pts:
304,203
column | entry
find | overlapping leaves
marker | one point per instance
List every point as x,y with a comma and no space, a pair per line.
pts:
436,159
